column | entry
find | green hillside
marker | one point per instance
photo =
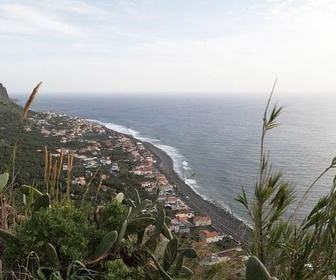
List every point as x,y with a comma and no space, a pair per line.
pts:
28,161
9,110
10,113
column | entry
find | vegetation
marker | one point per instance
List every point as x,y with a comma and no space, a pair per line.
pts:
287,249
47,235
55,235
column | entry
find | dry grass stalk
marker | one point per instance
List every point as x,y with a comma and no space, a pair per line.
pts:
51,176
30,101
87,186
46,166
54,179
60,167
50,159
70,165
98,188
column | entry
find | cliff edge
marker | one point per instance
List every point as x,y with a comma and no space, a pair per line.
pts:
3,91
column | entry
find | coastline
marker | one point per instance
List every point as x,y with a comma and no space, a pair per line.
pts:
222,219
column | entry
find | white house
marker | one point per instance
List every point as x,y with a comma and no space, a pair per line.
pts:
209,236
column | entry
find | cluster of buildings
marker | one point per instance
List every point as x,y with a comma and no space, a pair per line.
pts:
69,128
93,153
184,222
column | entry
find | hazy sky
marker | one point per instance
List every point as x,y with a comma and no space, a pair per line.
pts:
190,46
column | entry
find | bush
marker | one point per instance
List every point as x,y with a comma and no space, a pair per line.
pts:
116,270
70,230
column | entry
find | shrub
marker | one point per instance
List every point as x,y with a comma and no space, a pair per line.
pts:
70,230
116,270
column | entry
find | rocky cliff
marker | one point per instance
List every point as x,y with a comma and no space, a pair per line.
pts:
3,91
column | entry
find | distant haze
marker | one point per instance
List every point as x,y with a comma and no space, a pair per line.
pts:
154,47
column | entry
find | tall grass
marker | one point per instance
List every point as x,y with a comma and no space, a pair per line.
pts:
289,250
52,174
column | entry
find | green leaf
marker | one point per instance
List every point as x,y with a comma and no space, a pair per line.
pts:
242,199
119,198
8,236
333,162
151,244
130,203
185,272
105,244
189,253
52,254
137,197
142,222
141,235
160,221
138,209
323,201
162,272
166,232
3,180
167,220
131,229
123,227
30,191
271,123
170,254
42,272
179,264
255,270
41,202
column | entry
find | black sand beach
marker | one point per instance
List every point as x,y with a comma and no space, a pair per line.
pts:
222,219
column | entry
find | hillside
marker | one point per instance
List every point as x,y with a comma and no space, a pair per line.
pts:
11,132
9,111
39,131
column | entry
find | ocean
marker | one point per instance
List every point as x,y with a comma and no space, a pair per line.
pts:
215,141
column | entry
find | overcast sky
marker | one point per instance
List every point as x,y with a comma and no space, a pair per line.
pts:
220,46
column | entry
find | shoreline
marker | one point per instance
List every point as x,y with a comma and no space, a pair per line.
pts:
222,219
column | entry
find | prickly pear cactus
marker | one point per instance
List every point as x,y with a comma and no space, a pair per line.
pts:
255,270
105,244
173,261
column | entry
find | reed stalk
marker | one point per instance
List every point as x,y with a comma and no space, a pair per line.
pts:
46,169
87,186
30,101
70,165
98,188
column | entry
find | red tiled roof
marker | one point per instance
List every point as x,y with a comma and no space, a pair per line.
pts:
209,234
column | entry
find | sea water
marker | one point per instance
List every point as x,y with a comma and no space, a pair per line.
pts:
215,141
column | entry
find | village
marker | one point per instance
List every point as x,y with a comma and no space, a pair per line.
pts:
98,151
